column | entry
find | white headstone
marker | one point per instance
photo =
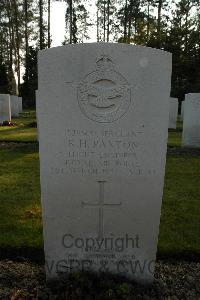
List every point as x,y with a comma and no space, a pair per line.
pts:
182,110
103,140
191,121
5,110
14,106
173,113
20,104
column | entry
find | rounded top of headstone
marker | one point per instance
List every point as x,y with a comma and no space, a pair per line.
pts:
55,63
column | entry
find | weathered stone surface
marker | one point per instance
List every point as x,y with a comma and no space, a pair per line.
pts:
14,106
182,110
5,109
191,121
103,138
20,105
173,113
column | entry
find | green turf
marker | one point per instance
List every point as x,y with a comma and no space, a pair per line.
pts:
174,138
20,223
20,132
180,222
20,211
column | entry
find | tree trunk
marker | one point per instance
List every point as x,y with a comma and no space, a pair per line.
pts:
148,20
159,23
41,25
26,36
104,21
49,23
130,15
125,21
12,85
97,24
108,18
71,20
17,41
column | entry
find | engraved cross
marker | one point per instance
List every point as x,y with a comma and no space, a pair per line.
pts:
101,205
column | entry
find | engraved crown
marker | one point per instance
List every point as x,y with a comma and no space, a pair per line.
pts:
104,62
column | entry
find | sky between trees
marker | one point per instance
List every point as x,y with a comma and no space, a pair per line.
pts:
27,26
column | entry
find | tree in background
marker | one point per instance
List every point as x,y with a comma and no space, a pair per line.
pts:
18,28
77,22
49,24
106,21
184,42
166,24
3,78
30,78
42,27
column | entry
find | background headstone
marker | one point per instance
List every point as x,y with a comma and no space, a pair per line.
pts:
173,113
103,133
20,105
14,106
5,109
38,130
182,110
191,121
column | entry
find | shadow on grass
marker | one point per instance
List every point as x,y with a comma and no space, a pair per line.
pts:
20,152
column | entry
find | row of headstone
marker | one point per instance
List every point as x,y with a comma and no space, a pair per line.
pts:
190,115
10,106
173,112
102,162
182,110
5,108
191,121
16,105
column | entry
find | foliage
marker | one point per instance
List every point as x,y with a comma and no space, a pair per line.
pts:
30,84
3,79
170,25
77,22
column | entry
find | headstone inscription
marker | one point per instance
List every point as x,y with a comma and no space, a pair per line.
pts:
5,110
14,106
173,113
191,121
103,139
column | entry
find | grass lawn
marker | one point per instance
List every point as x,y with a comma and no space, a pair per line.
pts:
21,132
21,225
20,211
175,136
180,222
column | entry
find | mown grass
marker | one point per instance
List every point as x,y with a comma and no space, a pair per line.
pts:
175,136
180,222
20,211
20,132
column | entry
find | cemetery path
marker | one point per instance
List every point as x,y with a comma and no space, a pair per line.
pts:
25,280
